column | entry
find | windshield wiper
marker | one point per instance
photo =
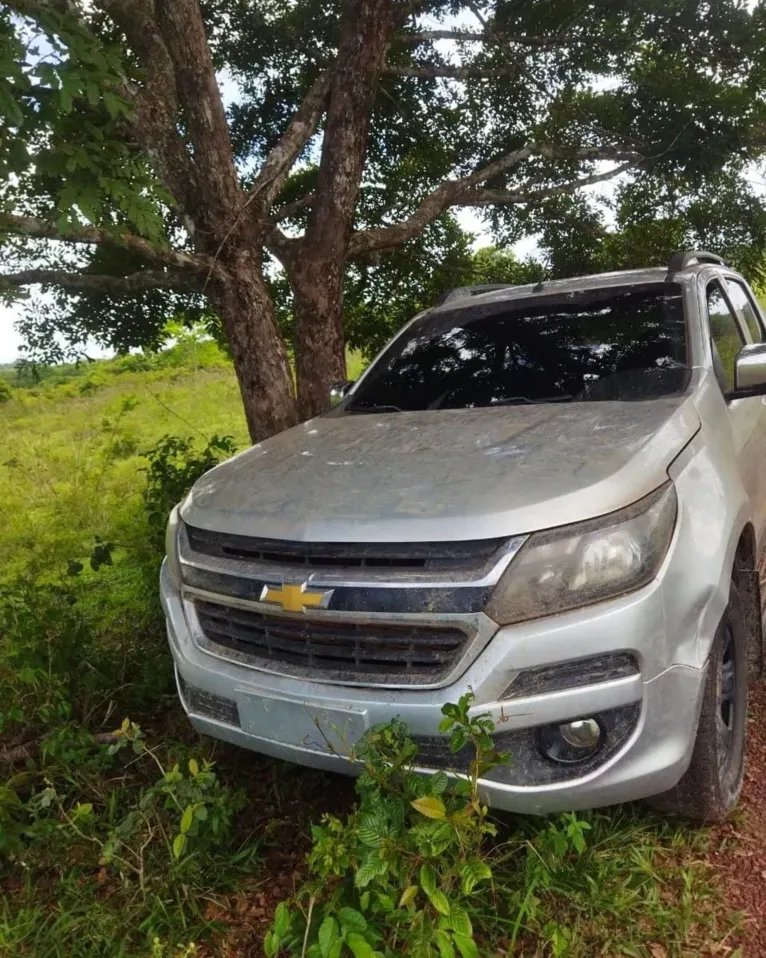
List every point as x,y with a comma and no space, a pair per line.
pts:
509,400
374,408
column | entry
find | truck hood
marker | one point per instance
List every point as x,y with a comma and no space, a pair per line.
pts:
442,475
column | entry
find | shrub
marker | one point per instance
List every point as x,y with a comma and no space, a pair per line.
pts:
174,467
6,392
402,873
46,655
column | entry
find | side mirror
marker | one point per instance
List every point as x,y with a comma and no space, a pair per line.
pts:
339,391
750,371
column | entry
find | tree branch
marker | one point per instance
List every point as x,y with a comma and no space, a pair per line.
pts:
286,151
424,36
458,192
289,209
40,229
155,104
445,195
183,32
129,285
484,36
528,195
365,35
449,72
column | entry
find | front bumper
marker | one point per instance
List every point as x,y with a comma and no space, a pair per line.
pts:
315,724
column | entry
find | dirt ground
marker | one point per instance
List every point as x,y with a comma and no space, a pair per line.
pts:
739,848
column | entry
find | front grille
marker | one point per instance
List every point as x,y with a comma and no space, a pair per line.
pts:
341,650
348,555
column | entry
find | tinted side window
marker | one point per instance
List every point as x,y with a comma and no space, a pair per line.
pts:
741,301
726,336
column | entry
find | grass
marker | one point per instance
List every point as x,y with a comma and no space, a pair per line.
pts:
88,840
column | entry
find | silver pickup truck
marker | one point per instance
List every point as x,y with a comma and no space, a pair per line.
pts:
553,496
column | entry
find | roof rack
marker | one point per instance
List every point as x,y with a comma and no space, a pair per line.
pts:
679,261
463,292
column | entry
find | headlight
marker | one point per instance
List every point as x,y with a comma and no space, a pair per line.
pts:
576,565
171,547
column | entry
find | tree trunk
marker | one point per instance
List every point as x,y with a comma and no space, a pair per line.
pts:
244,306
320,358
316,272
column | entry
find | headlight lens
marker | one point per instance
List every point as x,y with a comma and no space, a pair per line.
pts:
576,565
171,547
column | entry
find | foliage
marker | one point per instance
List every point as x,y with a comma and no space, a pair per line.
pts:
403,873
681,84
173,468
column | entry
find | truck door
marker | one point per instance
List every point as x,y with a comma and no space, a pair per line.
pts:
729,332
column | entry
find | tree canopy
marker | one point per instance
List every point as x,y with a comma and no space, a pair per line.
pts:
332,176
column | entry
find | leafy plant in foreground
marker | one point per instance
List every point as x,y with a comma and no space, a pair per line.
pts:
401,874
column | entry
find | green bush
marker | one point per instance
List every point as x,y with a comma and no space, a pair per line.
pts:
406,870
6,392
174,467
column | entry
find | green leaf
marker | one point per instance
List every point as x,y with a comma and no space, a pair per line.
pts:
430,806
281,920
439,783
352,920
179,843
193,767
329,933
373,830
385,901
373,867
444,944
187,819
472,873
408,895
428,880
360,946
465,945
440,902
446,723
461,923
270,944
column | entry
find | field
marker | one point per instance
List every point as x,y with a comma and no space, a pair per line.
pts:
154,842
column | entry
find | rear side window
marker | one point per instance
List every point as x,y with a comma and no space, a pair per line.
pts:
741,301
725,334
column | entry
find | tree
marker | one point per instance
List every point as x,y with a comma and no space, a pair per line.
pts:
359,127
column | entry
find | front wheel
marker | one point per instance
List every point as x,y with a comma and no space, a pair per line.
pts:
711,786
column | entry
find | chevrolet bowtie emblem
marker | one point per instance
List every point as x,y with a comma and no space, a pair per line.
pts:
296,598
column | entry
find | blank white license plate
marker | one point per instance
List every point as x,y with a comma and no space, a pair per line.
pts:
301,723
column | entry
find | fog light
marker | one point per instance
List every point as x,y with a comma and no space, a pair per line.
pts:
571,742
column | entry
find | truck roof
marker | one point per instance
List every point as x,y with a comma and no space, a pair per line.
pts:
688,263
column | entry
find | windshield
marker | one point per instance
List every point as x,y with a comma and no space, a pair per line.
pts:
622,343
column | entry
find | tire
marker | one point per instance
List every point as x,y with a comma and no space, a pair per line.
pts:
711,786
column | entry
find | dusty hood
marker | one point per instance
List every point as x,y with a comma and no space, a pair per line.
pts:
446,474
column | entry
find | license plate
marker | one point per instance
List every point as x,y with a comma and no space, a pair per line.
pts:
302,723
